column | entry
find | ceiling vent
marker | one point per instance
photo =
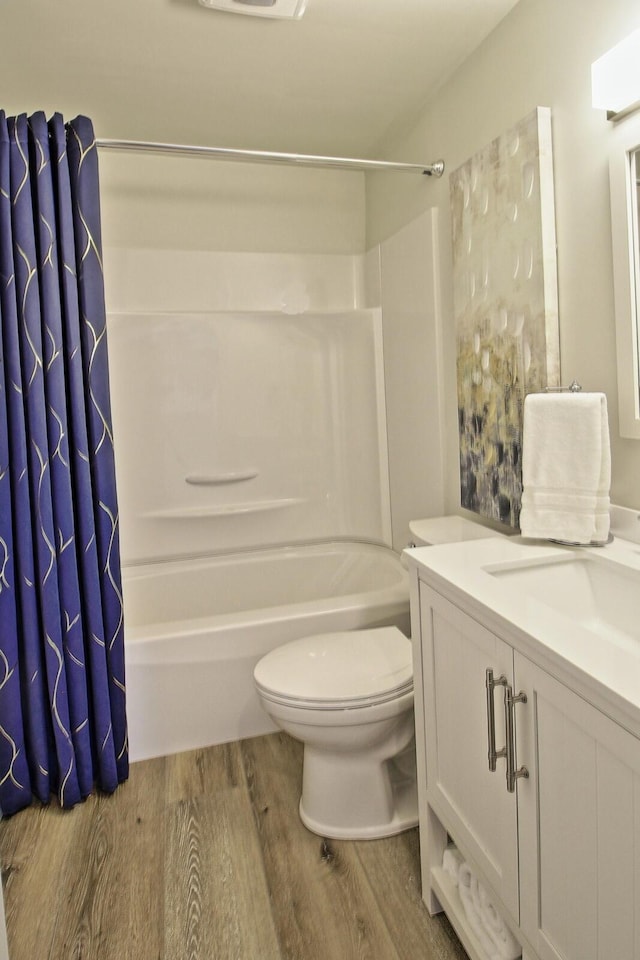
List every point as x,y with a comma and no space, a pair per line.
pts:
278,9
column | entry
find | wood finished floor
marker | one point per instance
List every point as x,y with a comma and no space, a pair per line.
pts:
202,856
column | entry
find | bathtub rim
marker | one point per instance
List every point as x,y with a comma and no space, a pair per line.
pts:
395,597
368,545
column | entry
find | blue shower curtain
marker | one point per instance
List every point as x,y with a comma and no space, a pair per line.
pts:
62,693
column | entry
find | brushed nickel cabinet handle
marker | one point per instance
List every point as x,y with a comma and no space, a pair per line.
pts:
509,703
491,683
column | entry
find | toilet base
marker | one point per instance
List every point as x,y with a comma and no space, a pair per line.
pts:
393,810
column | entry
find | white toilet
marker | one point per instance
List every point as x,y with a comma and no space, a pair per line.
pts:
349,698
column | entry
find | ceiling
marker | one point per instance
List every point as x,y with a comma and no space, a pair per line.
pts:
339,81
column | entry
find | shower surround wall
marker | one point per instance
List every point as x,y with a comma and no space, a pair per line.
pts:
252,437
239,430
188,234
253,390
225,284
398,277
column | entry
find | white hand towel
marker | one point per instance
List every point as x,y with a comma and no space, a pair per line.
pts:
506,946
566,467
451,862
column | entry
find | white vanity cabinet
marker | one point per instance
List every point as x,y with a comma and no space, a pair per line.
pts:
579,825
560,855
471,801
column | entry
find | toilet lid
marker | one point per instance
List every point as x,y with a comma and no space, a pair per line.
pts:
338,670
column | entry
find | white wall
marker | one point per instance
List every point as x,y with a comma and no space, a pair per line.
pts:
177,203
540,55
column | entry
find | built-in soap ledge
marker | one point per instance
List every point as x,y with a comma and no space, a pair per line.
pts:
447,894
225,510
220,479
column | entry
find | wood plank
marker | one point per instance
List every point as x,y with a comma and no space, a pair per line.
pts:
81,892
35,845
392,867
203,856
197,772
112,881
322,906
216,896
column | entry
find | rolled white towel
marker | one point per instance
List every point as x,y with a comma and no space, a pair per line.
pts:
464,881
451,862
489,913
506,946
476,886
466,884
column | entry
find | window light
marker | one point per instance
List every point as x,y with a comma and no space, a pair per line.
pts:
615,78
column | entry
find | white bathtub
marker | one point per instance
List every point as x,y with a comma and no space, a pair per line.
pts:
195,629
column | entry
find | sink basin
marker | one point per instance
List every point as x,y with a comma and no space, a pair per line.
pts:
595,593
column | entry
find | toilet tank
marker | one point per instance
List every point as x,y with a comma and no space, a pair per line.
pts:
452,529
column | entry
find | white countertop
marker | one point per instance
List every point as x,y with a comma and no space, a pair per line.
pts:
603,672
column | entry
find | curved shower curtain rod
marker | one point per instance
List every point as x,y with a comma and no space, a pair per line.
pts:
435,169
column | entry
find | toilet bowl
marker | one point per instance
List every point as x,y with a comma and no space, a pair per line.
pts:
349,698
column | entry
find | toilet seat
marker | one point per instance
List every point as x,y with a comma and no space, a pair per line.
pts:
338,671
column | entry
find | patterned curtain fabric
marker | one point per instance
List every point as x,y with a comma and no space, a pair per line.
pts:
62,694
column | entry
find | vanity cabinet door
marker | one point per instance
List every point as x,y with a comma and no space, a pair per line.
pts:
471,802
579,825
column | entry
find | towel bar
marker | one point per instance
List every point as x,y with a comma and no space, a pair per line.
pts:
592,543
574,387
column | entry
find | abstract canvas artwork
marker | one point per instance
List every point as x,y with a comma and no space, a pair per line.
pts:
506,307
